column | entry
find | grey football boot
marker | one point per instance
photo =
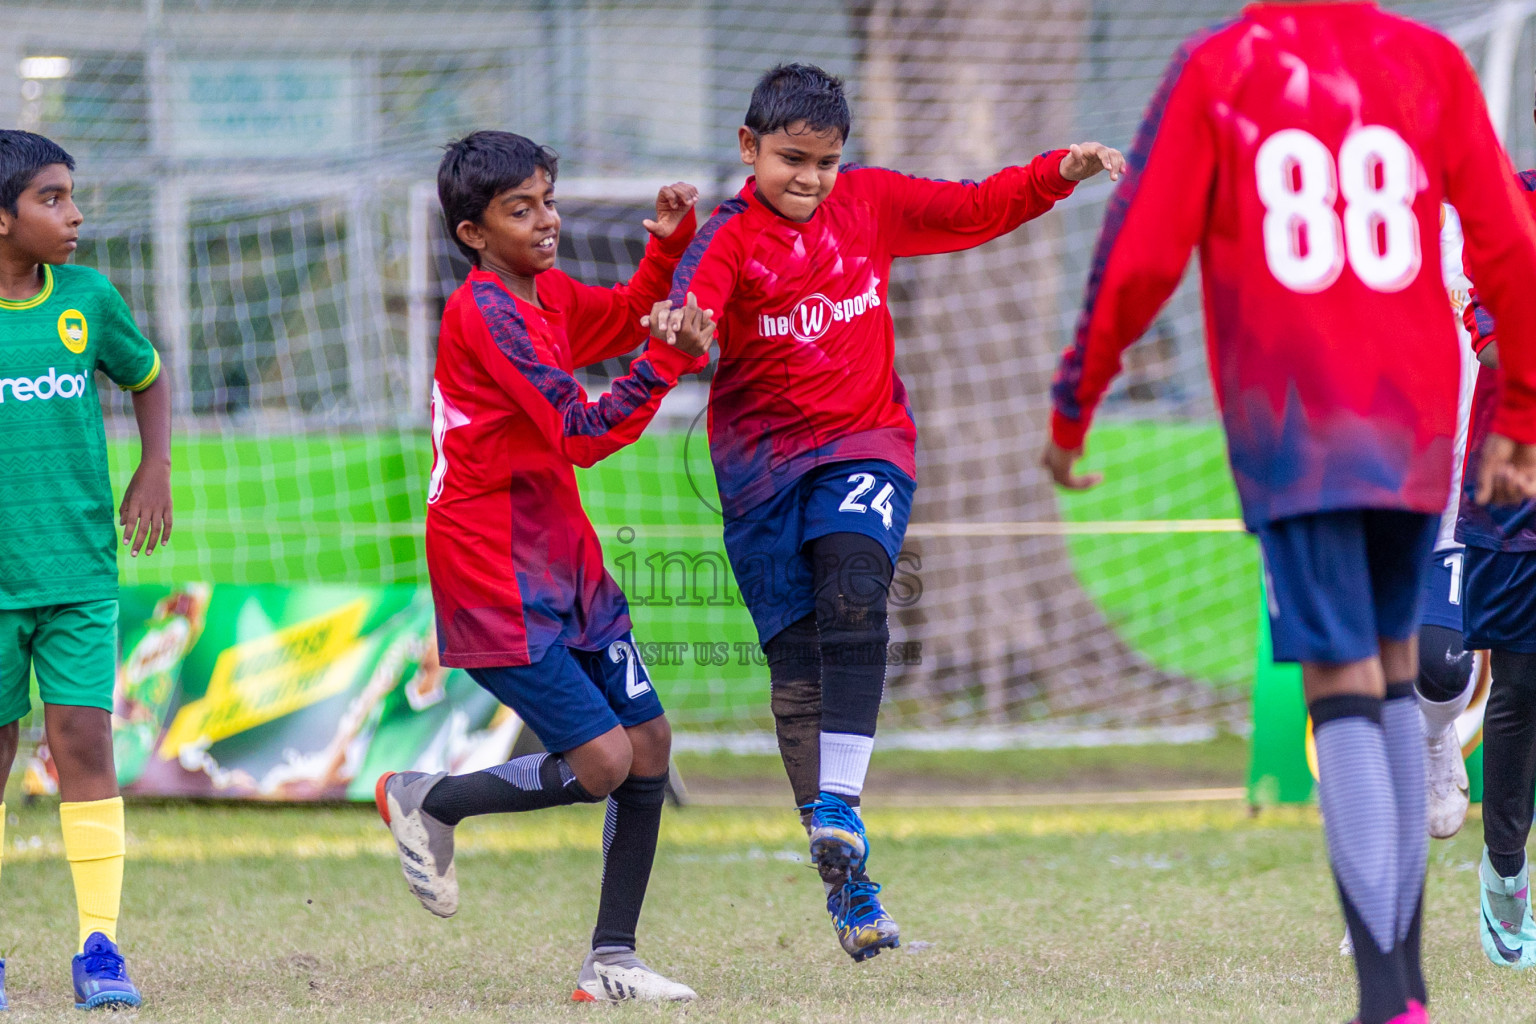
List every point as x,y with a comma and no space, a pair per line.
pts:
425,844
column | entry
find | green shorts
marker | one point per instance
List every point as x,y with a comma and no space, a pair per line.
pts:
73,647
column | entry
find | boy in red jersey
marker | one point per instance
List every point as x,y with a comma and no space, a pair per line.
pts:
1306,149
810,432
523,601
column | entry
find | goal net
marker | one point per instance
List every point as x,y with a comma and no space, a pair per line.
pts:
257,179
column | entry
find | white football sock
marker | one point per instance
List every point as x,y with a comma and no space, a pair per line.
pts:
845,762
1439,715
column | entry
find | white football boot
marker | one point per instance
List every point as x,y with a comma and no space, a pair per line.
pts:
1446,774
424,843
612,974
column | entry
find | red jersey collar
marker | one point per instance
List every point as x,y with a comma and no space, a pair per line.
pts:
748,194
547,311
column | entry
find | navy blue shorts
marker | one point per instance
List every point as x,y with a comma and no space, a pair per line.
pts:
1442,590
1498,600
766,545
570,697
1337,581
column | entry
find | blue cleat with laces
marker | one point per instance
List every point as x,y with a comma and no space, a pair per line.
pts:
840,850
863,926
839,847
101,976
4,1004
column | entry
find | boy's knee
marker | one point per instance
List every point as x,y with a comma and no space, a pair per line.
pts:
651,743
604,778
1445,666
604,771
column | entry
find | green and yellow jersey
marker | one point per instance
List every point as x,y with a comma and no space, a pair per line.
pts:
58,533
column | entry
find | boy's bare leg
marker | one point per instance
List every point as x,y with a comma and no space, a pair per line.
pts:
10,740
601,765
10,737
80,740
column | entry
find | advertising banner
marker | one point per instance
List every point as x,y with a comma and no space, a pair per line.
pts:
289,693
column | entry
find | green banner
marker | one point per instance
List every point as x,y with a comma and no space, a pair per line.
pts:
289,693
1283,765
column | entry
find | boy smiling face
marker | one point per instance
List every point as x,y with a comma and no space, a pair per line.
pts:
795,167
519,232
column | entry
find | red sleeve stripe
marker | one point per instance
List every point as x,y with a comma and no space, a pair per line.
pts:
563,392
682,277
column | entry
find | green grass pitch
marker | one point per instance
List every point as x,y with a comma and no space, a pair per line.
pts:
1180,912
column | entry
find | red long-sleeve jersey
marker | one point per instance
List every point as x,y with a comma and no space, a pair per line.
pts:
807,371
1306,148
514,562
1496,527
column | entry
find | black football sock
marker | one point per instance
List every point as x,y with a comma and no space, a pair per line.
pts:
851,576
629,849
794,675
1509,760
1359,811
1412,946
528,783
1403,730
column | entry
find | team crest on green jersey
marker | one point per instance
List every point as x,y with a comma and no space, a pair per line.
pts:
74,332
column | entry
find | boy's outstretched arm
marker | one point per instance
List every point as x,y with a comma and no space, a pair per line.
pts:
603,323
146,511
1155,218
925,216
583,431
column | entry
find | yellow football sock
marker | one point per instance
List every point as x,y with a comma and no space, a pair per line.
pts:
94,843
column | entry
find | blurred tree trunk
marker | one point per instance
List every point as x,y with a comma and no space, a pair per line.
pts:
955,90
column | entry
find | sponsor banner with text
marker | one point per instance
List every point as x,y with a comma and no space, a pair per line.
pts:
288,693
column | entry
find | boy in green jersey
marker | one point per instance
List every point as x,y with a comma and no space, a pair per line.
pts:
59,324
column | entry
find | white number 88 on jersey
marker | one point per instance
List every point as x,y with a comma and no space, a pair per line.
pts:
1305,243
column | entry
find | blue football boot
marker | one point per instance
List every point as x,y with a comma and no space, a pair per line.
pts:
863,926
840,851
101,976
839,847
4,1003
